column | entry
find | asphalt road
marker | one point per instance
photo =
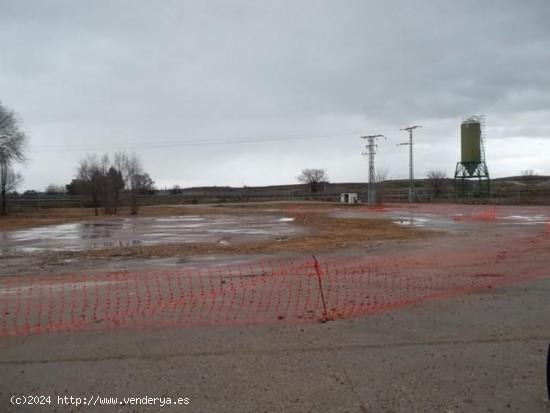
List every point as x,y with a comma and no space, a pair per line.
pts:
484,352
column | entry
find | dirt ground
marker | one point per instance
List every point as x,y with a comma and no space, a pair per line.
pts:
461,321
322,232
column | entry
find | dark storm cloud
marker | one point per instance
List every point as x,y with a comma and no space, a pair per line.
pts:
103,74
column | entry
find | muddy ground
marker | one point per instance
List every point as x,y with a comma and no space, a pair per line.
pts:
68,241
479,350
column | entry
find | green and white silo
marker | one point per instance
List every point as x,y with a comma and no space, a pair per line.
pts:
472,163
470,139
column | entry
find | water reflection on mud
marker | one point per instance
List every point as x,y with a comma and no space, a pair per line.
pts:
123,232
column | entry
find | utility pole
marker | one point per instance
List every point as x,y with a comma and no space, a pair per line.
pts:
370,152
411,158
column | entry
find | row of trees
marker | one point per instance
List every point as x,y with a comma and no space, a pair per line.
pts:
316,180
104,178
13,143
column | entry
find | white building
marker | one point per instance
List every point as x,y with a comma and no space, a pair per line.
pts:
349,198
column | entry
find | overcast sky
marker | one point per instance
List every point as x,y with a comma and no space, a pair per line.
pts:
250,92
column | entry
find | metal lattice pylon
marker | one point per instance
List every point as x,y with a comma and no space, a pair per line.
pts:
371,152
411,158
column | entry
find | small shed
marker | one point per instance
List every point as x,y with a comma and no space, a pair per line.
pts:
349,198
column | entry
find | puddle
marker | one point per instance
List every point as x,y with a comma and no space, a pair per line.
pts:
457,218
526,220
122,232
412,221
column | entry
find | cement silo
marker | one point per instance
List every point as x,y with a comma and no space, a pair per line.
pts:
472,163
470,139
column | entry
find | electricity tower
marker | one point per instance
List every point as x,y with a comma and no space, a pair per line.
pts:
411,158
370,152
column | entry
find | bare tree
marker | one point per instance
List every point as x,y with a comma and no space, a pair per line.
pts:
104,179
104,184
88,177
53,189
10,179
313,178
100,180
176,190
144,184
132,173
116,185
13,143
528,178
437,182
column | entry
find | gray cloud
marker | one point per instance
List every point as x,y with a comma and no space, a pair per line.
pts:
98,75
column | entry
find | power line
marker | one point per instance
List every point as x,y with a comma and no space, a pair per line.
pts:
185,142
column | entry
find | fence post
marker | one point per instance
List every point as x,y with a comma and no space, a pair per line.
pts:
319,273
